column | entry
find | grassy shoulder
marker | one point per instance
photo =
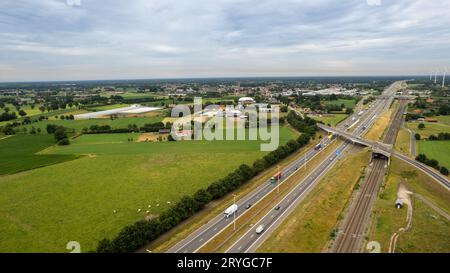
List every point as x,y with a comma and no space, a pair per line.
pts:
428,233
310,226
403,141
332,120
376,132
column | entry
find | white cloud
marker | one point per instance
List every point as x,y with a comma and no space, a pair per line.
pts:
170,38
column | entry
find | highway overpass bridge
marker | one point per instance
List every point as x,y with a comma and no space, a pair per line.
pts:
378,149
381,149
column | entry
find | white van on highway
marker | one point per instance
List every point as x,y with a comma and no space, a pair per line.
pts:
259,229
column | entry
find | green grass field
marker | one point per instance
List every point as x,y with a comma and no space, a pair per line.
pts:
430,128
439,150
108,107
78,125
27,108
444,119
333,121
18,153
51,115
347,103
43,209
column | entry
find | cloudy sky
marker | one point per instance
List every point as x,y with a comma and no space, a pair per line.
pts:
131,39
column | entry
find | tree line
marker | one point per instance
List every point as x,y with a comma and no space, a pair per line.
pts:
136,235
432,163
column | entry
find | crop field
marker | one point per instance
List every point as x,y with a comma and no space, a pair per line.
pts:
78,125
439,150
93,197
108,107
18,153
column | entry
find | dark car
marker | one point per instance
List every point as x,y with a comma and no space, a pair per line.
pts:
277,208
248,206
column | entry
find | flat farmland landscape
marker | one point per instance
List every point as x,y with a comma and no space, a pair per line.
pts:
115,183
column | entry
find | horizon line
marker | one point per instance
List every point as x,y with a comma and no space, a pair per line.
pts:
210,77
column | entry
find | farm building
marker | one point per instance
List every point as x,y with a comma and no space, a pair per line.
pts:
246,100
133,109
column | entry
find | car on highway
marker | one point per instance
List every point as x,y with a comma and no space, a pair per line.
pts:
278,207
259,229
248,206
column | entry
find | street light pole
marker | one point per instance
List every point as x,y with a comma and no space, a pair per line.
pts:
234,213
279,176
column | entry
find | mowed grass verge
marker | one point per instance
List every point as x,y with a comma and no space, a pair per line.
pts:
429,232
333,120
309,227
376,132
95,196
403,141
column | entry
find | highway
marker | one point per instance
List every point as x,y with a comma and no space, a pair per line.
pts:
213,227
250,241
208,231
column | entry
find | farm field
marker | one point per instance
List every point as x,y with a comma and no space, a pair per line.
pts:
43,209
51,115
18,153
439,150
27,108
347,103
108,107
333,120
430,128
78,125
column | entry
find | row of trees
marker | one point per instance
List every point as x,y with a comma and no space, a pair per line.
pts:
134,236
106,129
5,116
432,163
440,136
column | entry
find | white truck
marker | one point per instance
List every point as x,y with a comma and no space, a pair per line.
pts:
230,210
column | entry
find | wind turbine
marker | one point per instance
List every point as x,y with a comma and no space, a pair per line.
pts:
435,77
443,78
